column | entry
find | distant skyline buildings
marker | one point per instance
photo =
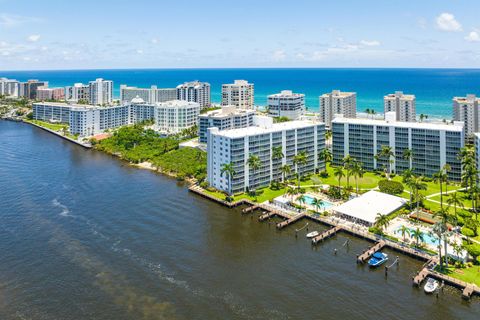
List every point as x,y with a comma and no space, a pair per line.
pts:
402,104
240,94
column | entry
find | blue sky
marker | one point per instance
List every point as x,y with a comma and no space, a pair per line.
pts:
54,34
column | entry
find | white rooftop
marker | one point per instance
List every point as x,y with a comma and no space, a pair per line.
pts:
286,94
263,129
367,206
456,126
65,105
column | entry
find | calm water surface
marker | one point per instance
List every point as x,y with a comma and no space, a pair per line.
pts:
84,236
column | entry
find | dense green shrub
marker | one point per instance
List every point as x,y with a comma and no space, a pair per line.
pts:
324,174
204,184
375,230
468,232
473,249
390,187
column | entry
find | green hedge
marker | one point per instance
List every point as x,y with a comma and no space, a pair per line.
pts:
468,232
473,249
390,187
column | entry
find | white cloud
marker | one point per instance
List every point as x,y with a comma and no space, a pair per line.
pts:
279,55
447,22
33,38
154,40
473,36
372,43
11,20
140,51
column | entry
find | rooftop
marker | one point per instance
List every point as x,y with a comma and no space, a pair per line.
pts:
65,105
367,206
264,129
456,126
286,94
226,111
338,93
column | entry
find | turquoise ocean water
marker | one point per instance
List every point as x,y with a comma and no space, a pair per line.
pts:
434,88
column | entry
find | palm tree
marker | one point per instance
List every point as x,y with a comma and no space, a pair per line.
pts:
347,165
404,230
368,111
423,117
328,134
417,184
300,159
285,169
338,172
407,176
228,170
387,152
357,172
291,191
301,199
317,203
253,164
446,169
444,219
382,221
326,155
455,200
277,153
440,177
418,235
408,155
439,230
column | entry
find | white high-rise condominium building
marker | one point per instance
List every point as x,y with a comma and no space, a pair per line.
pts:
174,116
195,91
337,102
77,92
239,94
235,147
286,104
149,95
466,109
432,145
9,87
229,117
402,104
101,92
29,89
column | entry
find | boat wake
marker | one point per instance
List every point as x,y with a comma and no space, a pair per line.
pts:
65,211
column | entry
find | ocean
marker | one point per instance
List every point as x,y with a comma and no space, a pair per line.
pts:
434,88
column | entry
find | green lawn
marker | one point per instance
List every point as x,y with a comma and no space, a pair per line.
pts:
48,125
471,274
267,194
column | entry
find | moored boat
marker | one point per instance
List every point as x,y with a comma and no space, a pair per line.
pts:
377,259
312,234
431,285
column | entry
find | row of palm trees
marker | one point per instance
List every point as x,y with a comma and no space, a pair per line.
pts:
254,163
351,167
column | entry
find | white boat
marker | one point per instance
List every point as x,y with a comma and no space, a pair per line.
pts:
431,285
312,234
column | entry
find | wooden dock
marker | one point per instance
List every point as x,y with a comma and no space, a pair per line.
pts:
326,234
425,272
468,291
368,253
266,215
289,221
250,209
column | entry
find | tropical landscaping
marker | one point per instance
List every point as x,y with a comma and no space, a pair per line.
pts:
137,144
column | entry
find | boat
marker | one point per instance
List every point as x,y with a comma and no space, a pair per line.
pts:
377,259
312,234
431,285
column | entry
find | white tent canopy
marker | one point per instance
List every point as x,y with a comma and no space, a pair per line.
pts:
364,209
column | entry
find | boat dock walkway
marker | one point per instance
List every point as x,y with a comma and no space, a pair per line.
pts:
468,289
369,252
289,221
326,234
250,209
199,190
425,272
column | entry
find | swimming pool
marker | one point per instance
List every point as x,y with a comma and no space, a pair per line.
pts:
427,237
325,204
